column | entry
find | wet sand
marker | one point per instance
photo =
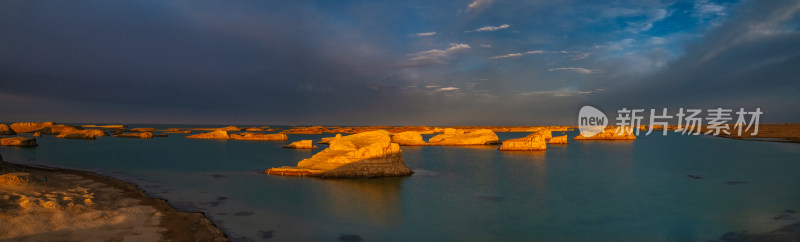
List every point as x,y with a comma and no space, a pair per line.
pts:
83,206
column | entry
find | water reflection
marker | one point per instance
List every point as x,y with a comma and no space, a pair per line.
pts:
376,202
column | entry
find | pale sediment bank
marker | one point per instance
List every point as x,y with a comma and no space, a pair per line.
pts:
55,204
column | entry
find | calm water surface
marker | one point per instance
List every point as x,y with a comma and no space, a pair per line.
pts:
591,190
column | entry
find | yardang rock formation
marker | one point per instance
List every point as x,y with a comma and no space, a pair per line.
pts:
368,154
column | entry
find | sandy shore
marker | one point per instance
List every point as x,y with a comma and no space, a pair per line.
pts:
83,206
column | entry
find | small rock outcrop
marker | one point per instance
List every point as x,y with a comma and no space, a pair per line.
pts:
113,126
43,128
303,144
219,134
82,134
230,128
6,130
140,135
534,141
257,136
18,141
408,138
610,133
327,140
462,137
143,129
558,140
62,129
367,154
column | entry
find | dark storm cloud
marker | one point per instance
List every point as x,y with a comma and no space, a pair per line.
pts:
324,62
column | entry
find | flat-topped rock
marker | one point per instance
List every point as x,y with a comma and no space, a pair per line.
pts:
143,129
368,154
408,138
18,141
463,137
6,130
140,135
558,140
534,141
258,136
82,134
610,133
303,144
219,134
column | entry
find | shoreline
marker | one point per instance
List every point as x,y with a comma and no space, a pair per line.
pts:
114,203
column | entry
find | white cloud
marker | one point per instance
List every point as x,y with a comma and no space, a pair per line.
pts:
435,56
447,89
425,34
454,47
563,92
478,4
491,28
575,69
506,56
704,8
486,46
517,54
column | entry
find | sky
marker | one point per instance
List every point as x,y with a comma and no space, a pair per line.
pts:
465,62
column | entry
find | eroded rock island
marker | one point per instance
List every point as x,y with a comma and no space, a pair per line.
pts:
18,141
368,154
534,141
463,137
610,133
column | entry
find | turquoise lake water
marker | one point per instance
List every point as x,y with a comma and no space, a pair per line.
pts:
584,191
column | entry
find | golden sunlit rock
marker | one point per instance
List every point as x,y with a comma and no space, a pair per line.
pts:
534,141
219,134
18,141
368,154
82,134
327,140
610,133
558,140
140,135
463,137
258,136
408,138
303,144
6,130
